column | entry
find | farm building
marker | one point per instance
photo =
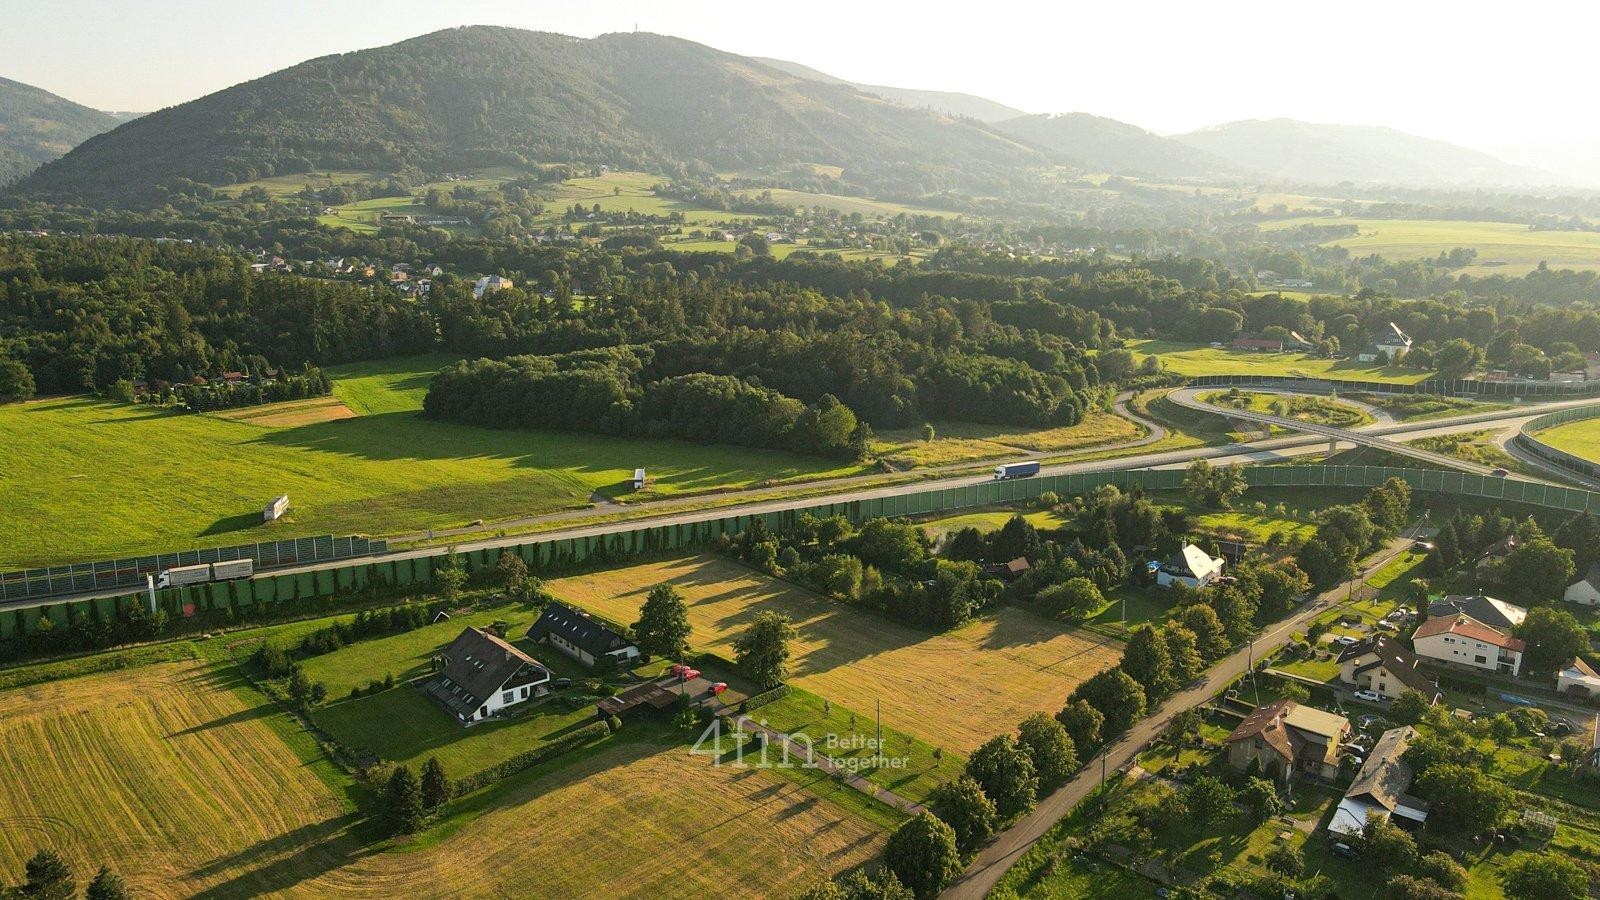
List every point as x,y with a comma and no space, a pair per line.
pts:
1578,678
580,635
1383,664
1007,571
1191,566
1380,787
483,675
646,699
1586,590
1465,641
1287,739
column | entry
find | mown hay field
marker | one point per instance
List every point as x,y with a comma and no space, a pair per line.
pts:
633,820
955,690
161,772
185,787
1581,439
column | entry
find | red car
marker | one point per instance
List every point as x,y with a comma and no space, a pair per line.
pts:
689,673
719,687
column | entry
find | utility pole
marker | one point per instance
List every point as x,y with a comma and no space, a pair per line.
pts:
877,751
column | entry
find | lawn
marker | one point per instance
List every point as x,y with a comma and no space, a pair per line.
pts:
954,690
403,726
990,520
1578,438
407,655
842,733
185,480
1200,359
1252,526
176,781
1505,248
1421,407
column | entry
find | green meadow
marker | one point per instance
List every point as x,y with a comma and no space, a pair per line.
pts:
1578,438
1503,247
87,479
1200,359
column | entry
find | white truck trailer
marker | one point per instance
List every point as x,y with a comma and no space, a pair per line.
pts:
179,576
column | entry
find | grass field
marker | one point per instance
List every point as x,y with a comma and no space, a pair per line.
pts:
954,690
960,441
634,820
1578,438
1315,410
1503,247
161,771
183,480
1199,359
406,655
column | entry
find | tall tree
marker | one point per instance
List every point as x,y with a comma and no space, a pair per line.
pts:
48,877
435,785
1049,747
922,854
1553,637
663,627
762,652
107,885
968,811
1006,775
403,812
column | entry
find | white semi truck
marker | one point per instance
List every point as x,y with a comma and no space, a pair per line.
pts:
179,576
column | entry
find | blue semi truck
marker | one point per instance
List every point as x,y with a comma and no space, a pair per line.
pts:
1015,470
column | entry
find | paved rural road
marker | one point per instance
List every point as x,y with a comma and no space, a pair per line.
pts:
993,861
671,512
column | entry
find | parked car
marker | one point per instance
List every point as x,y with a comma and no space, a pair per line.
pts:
1499,473
719,687
1421,546
1370,696
1344,851
561,684
1345,640
689,674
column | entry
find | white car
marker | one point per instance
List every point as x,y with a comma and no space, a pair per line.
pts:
1345,640
1370,696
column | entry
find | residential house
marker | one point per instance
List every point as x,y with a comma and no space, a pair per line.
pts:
1463,640
1388,346
1586,590
1191,566
483,675
488,284
1383,664
1297,341
1578,678
1007,571
1491,612
1288,739
1380,787
1497,551
580,635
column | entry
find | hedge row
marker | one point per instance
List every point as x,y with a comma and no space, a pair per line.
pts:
526,759
763,698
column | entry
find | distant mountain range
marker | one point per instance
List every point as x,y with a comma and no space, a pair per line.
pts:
1285,149
37,126
466,98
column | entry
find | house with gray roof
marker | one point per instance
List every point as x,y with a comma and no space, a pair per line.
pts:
1380,787
580,635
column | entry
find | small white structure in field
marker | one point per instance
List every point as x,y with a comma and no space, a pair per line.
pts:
639,480
276,509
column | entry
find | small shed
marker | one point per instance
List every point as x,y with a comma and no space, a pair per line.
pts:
276,509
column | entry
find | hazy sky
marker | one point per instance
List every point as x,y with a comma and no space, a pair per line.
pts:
1484,74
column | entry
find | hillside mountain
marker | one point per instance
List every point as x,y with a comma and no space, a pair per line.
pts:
1107,145
37,126
948,102
469,97
1304,151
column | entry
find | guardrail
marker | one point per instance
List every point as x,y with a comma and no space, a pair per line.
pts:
1458,387
618,541
1575,464
79,578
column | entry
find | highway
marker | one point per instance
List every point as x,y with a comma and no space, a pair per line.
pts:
671,512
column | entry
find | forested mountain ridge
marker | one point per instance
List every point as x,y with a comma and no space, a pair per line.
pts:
951,103
1328,154
1108,145
37,126
470,97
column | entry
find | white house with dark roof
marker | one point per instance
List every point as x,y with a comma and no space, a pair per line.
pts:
580,635
483,675
1191,566
1388,345
1383,664
1586,590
